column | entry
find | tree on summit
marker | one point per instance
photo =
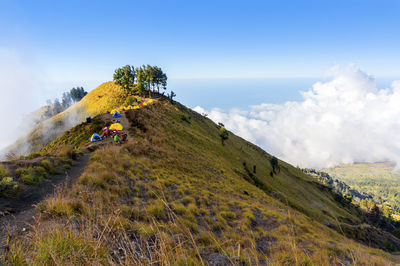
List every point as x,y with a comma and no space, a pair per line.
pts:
125,77
140,80
151,78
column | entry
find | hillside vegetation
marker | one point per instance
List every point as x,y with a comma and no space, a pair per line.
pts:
99,101
174,194
381,180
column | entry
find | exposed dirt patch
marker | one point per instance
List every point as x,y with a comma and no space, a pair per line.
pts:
216,259
265,243
267,223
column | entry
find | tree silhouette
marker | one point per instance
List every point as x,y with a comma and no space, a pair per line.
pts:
275,166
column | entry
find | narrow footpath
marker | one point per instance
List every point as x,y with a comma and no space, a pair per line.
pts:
17,214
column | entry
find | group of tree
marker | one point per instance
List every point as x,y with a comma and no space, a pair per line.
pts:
338,186
139,80
68,99
364,200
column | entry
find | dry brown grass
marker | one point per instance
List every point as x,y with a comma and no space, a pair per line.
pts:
171,196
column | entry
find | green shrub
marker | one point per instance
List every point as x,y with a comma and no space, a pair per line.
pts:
188,199
126,211
41,172
56,207
68,152
179,208
29,179
21,171
192,207
191,225
130,100
224,135
204,238
67,248
4,172
8,187
228,215
156,209
16,255
185,118
62,207
30,156
32,175
275,166
48,166
93,181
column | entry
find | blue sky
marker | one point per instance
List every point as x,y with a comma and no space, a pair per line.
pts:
75,40
240,56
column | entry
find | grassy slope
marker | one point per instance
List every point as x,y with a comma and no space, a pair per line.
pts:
378,179
100,100
174,194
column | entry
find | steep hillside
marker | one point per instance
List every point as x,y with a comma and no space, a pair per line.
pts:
173,194
101,100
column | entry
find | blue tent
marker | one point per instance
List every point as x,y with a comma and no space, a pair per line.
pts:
95,137
116,114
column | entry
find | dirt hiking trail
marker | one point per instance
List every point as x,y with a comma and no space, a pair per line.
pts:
16,214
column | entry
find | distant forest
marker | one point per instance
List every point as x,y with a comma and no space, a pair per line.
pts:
68,98
366,201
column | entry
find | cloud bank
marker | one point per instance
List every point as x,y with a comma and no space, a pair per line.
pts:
24,87
344,120
21,89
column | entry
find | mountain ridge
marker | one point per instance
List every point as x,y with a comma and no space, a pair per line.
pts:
174,194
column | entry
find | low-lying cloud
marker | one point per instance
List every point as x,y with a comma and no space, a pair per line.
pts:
344,120
20,90
23,89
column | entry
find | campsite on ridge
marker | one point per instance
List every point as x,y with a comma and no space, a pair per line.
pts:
200,133
176,189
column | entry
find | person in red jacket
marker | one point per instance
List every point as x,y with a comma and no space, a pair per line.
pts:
124,137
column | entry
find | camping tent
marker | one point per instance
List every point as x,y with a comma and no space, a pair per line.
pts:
117,126
116,114
95,137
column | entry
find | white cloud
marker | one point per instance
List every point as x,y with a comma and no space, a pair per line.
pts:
344,120
21,89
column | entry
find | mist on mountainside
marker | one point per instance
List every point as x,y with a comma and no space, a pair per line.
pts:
342,120
22,104
21,90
